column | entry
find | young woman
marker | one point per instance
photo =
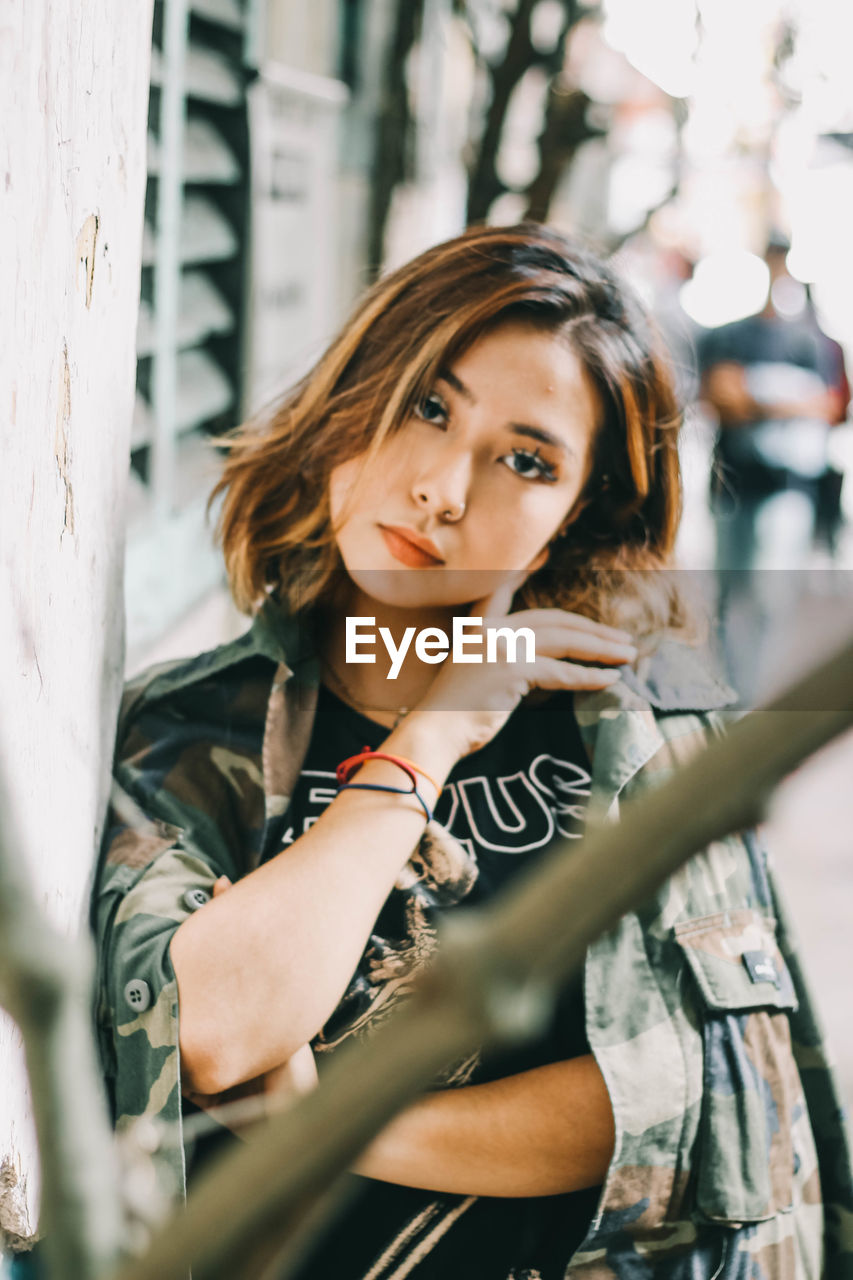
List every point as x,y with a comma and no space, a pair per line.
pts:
493,435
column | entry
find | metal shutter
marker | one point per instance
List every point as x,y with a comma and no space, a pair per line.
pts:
191,333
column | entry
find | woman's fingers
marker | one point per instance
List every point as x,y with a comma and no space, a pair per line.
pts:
563,635
585,645
581,636
549,673
562,618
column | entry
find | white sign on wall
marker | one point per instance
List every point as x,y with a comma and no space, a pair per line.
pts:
294,161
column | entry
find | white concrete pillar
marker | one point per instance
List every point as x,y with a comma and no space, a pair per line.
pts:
73,99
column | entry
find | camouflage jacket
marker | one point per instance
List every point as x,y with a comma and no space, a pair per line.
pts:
731,1156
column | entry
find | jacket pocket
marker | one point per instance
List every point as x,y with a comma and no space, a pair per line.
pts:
745,1160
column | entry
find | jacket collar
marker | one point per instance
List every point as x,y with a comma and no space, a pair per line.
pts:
678,677
284,638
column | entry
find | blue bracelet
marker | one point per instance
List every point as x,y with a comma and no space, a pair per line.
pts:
397,791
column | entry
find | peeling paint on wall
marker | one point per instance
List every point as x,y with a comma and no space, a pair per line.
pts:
86,241
15,1229
61,442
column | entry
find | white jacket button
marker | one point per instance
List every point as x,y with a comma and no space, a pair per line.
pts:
138,995
195,898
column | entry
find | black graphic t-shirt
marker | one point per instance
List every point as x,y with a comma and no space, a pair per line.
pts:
504,804
509,799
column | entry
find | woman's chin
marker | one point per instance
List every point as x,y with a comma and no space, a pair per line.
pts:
438,588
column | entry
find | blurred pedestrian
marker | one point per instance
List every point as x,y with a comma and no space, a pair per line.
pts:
766,378
829,515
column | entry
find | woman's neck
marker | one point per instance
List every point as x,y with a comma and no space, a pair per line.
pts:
397,679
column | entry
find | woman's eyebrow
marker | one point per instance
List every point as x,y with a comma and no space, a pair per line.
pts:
449,377
543,436
517,428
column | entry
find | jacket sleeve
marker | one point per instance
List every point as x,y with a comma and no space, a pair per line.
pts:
185,807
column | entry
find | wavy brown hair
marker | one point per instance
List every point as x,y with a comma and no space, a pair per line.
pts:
274,523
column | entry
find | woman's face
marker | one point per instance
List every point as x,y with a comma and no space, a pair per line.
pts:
473,487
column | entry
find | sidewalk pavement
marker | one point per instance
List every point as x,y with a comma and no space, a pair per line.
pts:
810,835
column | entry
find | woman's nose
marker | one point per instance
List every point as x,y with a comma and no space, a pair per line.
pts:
444,492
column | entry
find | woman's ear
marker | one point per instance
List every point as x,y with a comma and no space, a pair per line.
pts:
583,500
541,557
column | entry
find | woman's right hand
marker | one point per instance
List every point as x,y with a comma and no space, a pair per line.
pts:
475,701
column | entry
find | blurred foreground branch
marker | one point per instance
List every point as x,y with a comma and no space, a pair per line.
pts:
493,980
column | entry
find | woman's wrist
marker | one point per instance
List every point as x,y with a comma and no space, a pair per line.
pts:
428,740
353,765
410,767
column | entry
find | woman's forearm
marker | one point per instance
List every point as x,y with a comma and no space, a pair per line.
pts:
539,1133
261,968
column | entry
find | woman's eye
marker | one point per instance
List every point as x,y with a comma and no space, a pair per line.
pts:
530,465
431,409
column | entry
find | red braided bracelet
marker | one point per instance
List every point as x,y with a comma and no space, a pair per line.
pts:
348,767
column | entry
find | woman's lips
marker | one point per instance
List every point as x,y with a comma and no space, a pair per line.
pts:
406,552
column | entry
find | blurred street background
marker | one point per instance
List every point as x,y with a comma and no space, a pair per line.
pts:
298,150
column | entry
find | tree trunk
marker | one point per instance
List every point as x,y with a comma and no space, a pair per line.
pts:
485,185
565,129
393,129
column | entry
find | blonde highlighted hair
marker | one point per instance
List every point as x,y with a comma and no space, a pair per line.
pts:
274,523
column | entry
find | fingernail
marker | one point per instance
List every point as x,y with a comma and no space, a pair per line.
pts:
628,651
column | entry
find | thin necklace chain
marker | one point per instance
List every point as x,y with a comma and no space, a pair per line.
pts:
358,703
